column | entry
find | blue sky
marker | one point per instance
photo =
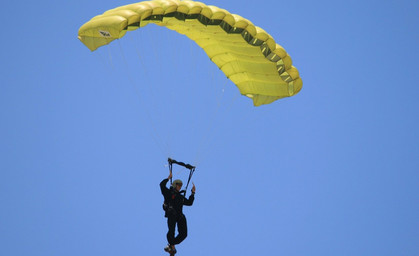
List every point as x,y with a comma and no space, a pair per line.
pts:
84,137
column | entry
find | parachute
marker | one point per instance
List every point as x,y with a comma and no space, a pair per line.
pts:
259,67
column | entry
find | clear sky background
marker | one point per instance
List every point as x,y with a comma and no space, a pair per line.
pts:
84,137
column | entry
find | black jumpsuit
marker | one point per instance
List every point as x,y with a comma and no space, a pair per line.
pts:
175,201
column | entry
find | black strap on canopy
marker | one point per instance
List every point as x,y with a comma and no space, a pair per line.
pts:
187,166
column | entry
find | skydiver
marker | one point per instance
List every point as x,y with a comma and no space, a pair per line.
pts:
174,201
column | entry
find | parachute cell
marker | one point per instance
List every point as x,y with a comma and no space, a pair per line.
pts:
260,68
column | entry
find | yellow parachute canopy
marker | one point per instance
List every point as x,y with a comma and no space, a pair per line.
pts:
248,56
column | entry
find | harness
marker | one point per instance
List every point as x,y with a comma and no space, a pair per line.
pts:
187,166
167,206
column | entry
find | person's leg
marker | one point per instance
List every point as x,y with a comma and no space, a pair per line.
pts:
171,224
182,229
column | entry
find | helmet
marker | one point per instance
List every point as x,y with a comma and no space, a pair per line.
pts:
175,182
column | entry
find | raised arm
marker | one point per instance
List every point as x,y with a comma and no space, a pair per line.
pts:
191,198
163,183
164,190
